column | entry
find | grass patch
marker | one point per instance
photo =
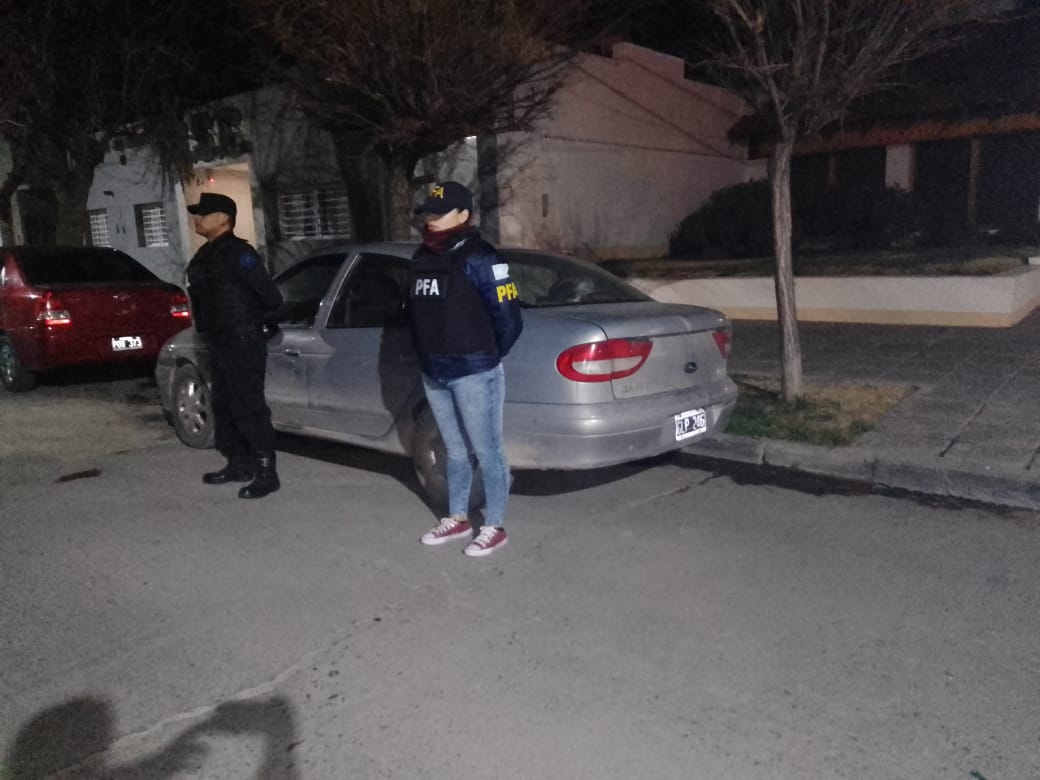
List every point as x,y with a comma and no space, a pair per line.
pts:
831,414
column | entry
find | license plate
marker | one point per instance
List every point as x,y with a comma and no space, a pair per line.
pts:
123,343
689,424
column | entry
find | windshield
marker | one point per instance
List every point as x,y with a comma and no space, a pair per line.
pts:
552,280
82,266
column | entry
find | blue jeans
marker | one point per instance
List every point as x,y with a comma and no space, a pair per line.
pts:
468,411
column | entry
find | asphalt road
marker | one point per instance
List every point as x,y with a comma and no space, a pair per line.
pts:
653,621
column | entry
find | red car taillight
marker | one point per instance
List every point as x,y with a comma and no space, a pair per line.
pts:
724,341
179,307
51,311
602,361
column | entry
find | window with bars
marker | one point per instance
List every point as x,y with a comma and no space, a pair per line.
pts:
99,228
151,225
322,212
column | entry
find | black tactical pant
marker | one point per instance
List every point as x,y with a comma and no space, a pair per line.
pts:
241,415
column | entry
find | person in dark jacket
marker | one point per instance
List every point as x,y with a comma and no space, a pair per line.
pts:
232,296
465,313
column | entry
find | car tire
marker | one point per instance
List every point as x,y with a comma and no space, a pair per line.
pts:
192,409
13,375
430,459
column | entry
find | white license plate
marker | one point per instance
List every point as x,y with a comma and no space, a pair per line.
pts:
123,343
689,424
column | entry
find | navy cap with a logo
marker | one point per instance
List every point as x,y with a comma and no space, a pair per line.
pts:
446,196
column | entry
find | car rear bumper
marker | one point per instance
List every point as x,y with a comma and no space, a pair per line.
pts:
545,436
54,348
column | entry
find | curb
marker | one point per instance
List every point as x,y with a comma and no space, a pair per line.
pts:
883,470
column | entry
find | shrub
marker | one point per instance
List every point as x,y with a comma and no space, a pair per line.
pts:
736,221
863,219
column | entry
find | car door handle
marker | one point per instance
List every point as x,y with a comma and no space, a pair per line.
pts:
292,352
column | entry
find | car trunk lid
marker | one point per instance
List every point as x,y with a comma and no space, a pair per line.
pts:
684,354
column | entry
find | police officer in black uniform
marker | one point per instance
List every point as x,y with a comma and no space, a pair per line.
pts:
232,296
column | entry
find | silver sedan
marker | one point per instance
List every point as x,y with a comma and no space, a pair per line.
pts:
601,375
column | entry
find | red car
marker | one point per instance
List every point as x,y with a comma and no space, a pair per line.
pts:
65,306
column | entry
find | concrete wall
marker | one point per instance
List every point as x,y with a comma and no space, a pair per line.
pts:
129,178
997,301
631,148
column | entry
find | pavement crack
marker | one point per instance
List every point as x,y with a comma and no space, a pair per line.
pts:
677,490
956,437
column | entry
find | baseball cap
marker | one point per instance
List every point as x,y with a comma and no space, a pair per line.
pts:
446,196
212,202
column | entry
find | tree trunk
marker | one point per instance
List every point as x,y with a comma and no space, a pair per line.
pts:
365,178
401,217
787,313
71,193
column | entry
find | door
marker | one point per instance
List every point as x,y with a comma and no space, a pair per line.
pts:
304,287
362,368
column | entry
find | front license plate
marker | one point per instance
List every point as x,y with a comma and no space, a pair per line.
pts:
123,343
690,424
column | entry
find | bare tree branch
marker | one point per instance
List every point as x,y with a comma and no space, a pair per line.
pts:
407,79
800,64
76,74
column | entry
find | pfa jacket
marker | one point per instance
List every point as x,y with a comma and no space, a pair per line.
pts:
465,309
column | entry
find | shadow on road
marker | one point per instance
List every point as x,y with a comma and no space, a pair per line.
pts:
525,482
72,738
69,376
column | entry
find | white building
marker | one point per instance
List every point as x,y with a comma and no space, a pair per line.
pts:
631,148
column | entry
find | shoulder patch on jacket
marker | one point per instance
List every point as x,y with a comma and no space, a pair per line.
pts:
500,270
247,260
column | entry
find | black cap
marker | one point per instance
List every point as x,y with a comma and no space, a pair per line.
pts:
212,202
446,196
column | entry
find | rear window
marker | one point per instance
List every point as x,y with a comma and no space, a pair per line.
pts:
546,280
82,266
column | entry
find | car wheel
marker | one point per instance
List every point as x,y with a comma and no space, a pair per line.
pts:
14,377
192,412
430,460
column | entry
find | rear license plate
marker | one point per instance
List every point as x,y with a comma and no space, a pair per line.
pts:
123,343
689,424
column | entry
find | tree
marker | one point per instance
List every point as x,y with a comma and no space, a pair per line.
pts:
800,64
406,79
78,75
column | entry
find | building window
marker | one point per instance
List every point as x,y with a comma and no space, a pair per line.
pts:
151,225
316,213
99,228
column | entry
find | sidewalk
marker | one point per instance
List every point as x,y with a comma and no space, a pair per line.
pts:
970,429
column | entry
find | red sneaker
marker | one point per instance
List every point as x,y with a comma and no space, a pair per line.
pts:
449,528
490,538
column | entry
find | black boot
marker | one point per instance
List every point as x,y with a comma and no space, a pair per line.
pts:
238,469
266,479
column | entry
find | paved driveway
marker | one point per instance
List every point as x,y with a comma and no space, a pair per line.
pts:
646,622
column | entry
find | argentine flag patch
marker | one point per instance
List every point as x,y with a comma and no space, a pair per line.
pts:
500,270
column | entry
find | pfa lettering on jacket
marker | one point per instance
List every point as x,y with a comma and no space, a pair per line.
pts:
507,292
428,286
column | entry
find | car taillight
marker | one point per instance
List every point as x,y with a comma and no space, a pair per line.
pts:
723,340
179,307
602,361
51,311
